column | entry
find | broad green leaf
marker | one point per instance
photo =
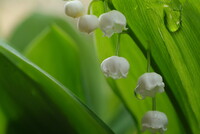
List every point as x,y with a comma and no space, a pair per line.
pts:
3,122
34,102
91,83
124,88
174,56
34,25
96,92
57,54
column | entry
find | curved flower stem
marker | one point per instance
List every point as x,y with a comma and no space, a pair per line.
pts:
106,9
90,5
118,44
148,70
149,58
154,103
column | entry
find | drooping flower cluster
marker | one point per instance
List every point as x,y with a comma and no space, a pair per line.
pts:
110,22
149,84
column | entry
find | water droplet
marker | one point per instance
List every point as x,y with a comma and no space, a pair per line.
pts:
136,7
138,96
172,19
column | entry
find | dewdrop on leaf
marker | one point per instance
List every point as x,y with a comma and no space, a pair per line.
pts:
74,8
88,23
112,22
115,67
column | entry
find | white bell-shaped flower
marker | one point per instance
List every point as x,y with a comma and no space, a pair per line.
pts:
149,84
74,8
88,23
155,121
112,22
115,67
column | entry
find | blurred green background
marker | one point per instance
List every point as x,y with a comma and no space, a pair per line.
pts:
50,78
40,31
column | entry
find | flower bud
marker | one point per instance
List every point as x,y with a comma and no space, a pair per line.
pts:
74,8
155,121
115,67
149,84
112,22
88,23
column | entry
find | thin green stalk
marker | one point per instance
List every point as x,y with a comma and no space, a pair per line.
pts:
106,9
148,70
90,5
149,58
118,44
154,103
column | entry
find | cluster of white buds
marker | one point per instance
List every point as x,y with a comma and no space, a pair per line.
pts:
86,23
149,84
110,22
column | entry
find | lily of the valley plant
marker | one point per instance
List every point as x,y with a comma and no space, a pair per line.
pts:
149,84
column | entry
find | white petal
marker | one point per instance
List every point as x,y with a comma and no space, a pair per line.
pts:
155,121
88,23
112,22
149,84
124,67
74,8
115,67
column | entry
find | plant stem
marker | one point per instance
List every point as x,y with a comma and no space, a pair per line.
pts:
90,5
118,44
106,9
148,58
148,70
154,103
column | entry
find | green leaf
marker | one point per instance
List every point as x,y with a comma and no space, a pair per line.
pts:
57,54
34,102
3,122
34,25
54,51
174,56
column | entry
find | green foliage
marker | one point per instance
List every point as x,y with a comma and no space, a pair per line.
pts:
53,45
54,83
34,103
174,56
71,60
33,26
